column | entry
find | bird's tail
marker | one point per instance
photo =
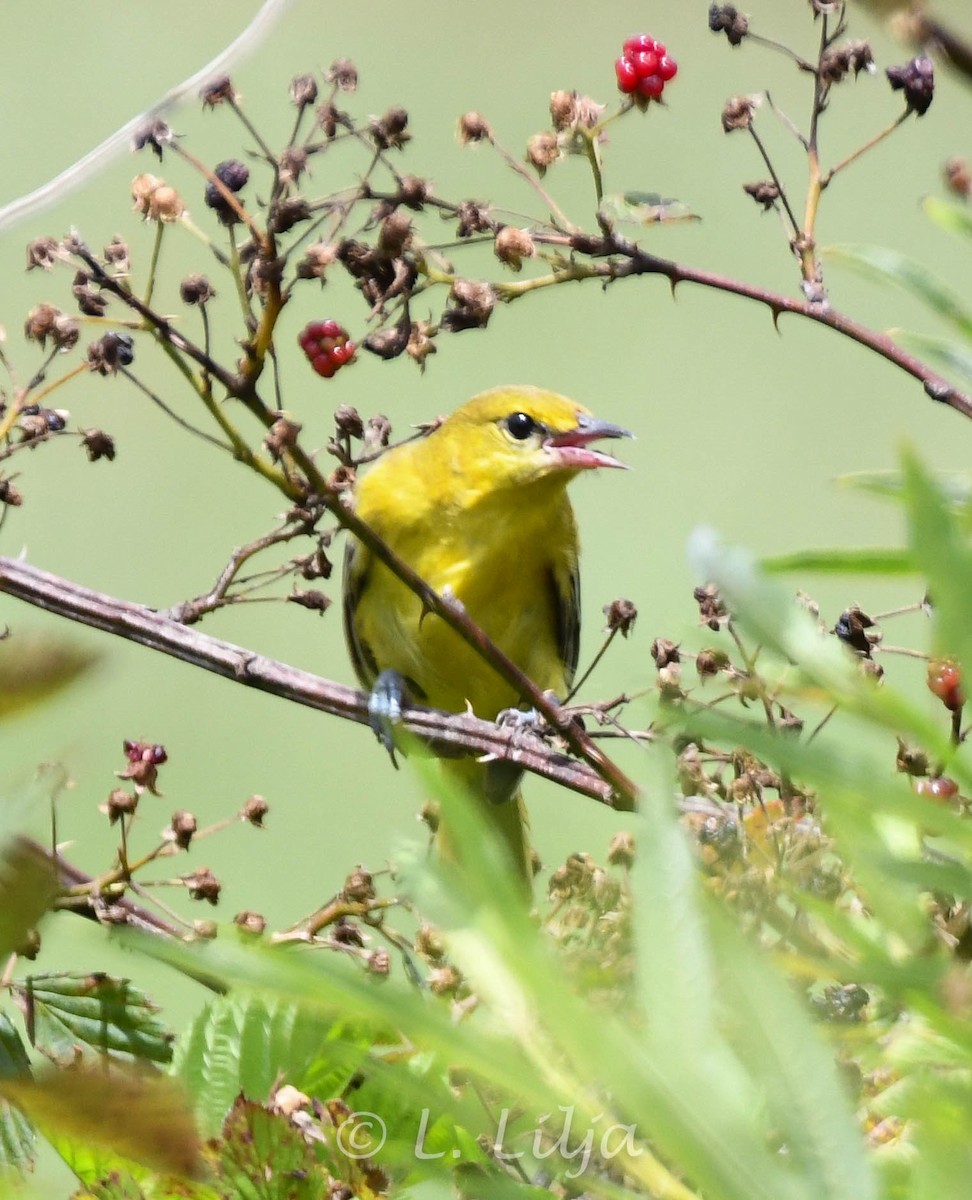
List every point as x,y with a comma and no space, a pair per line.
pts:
503,809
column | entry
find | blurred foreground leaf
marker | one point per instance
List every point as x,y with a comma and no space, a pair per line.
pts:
34,667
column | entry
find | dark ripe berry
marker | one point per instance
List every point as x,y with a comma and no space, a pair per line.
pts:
644,68
327,346
233,174
937,787
945,682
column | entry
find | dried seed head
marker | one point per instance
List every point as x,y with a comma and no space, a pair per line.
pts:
857,630
182,827
712,611
471,305
563,109
511,246
9,494
117,256
473,127
389,131
377,432
203,885
290,212
958,176
316,260
621,615
303,90
917,80
444,981
395,235
473,218
420,343
379,963
109,353
44,252
851,56
359,886
156,135
347,421
196,289
911,760
429,943
293,163
726,18
664,652
254,924
144,760
218,91
413,192
118,805
97,444
254,810
739,112
711,662
164,204
622,850
388,343
313,599
142,188
343,74
45,322
765,193
543,149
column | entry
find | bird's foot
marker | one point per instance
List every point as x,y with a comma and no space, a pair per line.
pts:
388,697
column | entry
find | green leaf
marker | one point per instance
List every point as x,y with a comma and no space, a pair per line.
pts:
28,886
954,357
948,215
244,1043
890,266
263,1156
94,1012
17,1138
140,1117
865,560
643,208
34,667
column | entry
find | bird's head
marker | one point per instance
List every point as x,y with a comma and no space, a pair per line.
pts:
524,433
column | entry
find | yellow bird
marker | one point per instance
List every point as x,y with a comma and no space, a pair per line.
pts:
479,509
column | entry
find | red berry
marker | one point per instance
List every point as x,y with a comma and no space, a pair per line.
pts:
642,41
651,87
667,67
626,73
645,63
945,682
326,345
937,787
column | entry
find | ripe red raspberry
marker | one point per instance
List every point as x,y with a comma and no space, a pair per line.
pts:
327,346
644,68
945,682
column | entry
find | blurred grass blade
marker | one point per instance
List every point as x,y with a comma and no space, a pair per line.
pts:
28,887
952,357
886,265
35,667
947,215
865,560
144,1118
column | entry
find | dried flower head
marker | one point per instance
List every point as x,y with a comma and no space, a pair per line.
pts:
389,131
343,74
420,343
218,91
254,810
917,80
196,289
182,827
203,885
765,192
117,256
303,90
44,252
474,218
45,322
511,246
109,353
739,112
850,56
543,150
727,19
621,615
156,134
958,176
97,444
471,303
473,127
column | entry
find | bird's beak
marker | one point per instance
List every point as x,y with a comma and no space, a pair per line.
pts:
572,447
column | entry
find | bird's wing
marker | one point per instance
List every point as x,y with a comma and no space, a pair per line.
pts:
565,583
357,567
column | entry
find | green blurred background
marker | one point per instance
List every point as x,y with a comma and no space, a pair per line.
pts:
738,426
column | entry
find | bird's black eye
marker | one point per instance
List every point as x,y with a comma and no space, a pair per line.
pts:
520,425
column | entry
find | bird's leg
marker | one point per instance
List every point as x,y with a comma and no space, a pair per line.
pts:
389,695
